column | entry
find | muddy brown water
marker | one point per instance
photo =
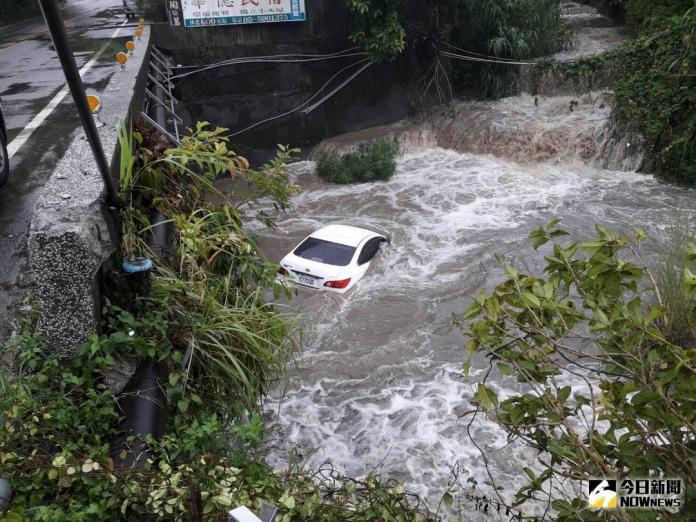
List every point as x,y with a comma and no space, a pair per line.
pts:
379,382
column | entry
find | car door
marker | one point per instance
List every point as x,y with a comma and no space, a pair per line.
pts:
369,251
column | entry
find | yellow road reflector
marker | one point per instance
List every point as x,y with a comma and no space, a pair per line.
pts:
122,58
94,103
130,45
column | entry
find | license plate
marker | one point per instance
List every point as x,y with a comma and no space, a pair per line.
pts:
306,280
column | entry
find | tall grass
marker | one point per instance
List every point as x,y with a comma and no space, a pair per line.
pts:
232,343
675,324
515,29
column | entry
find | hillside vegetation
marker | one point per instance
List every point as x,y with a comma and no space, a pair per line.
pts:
17,9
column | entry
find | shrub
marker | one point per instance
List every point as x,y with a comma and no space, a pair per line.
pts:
379,31
675,324
656,93
520,30
58,421
593,315
212,288
641,14
373,162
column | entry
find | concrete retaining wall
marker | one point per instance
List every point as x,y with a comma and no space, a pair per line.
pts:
236,97
72,232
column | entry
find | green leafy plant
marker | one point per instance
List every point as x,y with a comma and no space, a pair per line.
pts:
58,420
653,82
153,10
593,316
642,14
375,161
677,301
656,94
226,335
520,30
379,31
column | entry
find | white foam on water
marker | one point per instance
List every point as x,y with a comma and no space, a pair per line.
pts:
379,382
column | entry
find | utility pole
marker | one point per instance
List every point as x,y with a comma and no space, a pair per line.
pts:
54,21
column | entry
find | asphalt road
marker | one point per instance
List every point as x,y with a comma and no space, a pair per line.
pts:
31,83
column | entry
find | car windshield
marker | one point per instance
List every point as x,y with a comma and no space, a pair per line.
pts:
325,252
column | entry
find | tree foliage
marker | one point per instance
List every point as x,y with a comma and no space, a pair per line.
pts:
605,393
656,93
213,285
648,14
521,30
58,421
379,31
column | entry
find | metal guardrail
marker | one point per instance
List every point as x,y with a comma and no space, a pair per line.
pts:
160,98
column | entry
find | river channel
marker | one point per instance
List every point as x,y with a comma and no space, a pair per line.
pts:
379,383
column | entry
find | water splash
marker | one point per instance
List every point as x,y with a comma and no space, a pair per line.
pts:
379,381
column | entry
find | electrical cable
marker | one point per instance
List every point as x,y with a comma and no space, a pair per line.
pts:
303,105
289,55
272,59
337,89
486,56
484,60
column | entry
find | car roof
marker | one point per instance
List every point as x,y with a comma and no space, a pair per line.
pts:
344,234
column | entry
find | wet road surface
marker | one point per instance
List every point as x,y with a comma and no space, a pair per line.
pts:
30,80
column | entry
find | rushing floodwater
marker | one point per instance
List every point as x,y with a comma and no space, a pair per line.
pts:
379,382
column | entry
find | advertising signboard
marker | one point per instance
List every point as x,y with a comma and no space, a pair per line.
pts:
202,13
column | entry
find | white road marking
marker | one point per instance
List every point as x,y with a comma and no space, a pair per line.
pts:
34,124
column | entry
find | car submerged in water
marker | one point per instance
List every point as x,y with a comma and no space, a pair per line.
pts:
333,258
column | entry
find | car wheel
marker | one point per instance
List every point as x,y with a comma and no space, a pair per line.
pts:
4,161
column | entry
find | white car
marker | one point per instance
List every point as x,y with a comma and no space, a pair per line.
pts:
333,258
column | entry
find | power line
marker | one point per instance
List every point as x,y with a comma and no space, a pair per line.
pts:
307,102
337,89
484,60
472,56
289,55
288,58
483,56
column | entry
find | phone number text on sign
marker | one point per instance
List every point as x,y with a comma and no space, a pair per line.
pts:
197,13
